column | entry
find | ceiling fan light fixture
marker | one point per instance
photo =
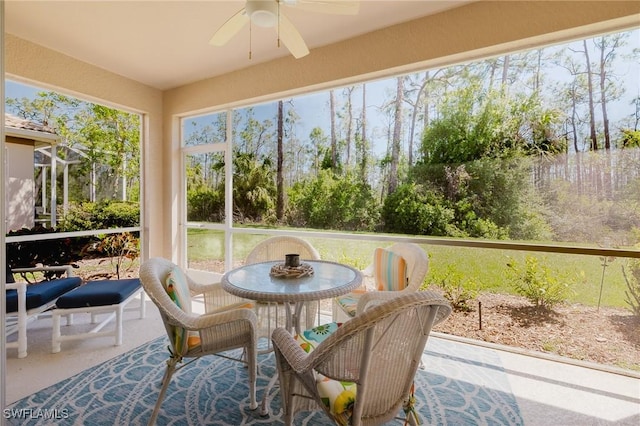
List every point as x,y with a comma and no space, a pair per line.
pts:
268,13
263,13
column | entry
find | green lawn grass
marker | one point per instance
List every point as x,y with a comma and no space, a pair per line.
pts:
487,266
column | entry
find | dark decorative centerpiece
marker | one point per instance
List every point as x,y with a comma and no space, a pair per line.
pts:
291,268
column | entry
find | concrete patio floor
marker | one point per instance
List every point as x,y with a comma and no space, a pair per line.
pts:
549,391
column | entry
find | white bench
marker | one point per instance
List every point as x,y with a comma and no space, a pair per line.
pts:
109,297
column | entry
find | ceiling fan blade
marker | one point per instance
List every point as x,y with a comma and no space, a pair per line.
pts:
229,28
334,7
292,38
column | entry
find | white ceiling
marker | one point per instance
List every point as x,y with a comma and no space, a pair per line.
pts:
165,44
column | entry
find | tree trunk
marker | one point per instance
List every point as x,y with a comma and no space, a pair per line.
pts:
397,132
363,148
280,160
592,118
536,87
505,73
603,97
349,124
332,109
414,116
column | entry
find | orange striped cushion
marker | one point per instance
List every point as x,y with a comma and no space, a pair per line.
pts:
390,270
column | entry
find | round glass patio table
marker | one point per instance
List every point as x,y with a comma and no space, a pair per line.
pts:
329,279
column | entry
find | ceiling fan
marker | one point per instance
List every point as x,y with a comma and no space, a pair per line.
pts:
269,14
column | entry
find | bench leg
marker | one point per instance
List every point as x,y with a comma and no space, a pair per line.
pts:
55,337
119,324
22,334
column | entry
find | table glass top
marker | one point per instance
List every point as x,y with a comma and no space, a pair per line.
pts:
328,280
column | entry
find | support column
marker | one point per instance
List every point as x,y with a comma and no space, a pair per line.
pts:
54,200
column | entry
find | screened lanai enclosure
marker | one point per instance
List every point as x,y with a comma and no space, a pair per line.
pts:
427,122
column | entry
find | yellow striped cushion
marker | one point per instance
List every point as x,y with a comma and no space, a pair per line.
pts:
390,270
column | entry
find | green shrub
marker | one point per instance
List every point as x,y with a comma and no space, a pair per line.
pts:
118,214
50,252
329,201
102,215
457,289
205,205
543,287
631,275
414,209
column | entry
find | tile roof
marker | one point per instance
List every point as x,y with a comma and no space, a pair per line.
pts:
24,124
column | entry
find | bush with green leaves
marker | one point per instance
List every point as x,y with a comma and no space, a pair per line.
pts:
205,205
102,215
328,201
542,286
490,198
631,273
415,209
457,288
50,252
254,189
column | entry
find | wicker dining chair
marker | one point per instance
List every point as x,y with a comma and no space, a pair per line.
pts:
362,372
400,268
194,335
270,315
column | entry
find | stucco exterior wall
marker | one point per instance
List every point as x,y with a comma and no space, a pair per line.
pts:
19,186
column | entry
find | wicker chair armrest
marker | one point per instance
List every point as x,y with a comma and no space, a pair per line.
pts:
373,298
196,287
298,359
197,322
216,298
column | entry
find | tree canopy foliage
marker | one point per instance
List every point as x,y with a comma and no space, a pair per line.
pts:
504,147
102,143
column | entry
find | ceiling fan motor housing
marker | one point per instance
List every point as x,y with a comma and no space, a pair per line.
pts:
262,13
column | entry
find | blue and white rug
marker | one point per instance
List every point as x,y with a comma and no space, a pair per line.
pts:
461,385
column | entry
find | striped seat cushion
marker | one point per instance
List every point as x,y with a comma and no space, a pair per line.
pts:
390,270
349,302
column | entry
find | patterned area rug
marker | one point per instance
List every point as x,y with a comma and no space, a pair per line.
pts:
461,385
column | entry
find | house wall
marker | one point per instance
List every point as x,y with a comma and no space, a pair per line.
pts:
463,34
19,188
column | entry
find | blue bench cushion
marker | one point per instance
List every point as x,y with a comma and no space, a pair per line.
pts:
42,293
99,293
